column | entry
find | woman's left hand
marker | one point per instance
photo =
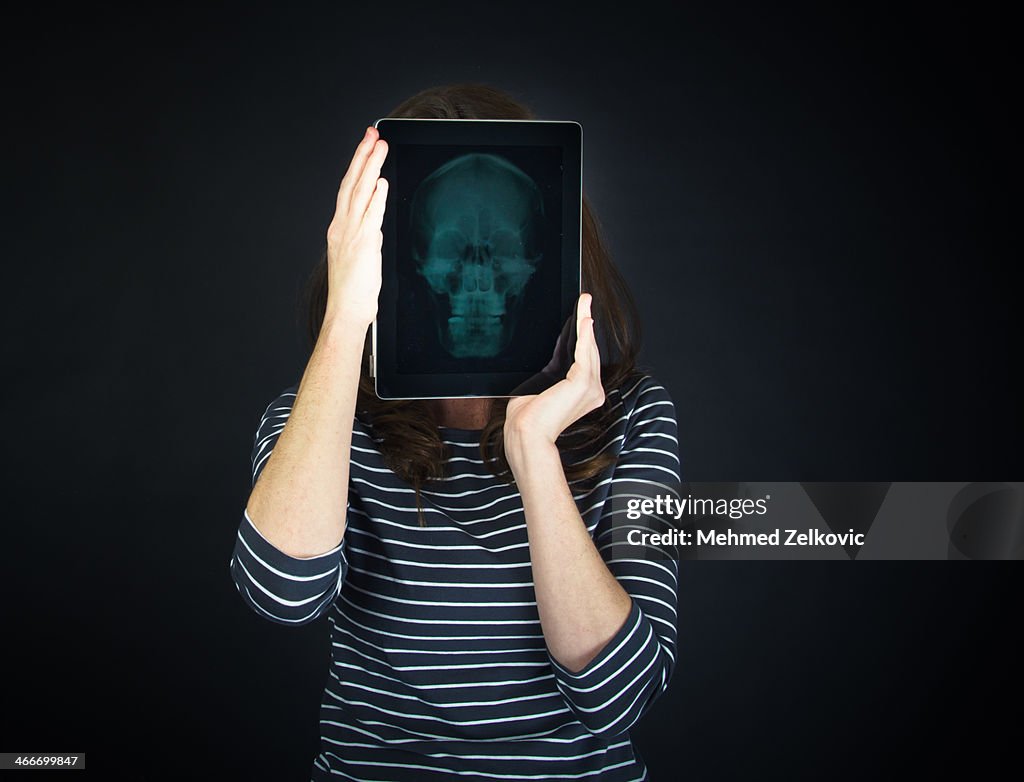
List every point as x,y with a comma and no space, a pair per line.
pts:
537,420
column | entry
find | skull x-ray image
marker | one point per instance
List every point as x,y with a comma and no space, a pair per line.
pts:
476,228
479,264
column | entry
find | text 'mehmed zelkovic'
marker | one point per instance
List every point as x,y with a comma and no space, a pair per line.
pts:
669,506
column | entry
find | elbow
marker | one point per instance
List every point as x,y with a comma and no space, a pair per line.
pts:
280,588
278,605
612,721
611,710
606,727
294,619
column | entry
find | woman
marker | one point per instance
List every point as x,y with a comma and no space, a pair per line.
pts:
481,626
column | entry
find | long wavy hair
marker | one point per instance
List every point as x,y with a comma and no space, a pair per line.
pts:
405,430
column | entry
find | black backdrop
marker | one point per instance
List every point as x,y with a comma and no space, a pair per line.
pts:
812,208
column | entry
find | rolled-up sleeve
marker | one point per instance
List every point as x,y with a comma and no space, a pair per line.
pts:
282,588
619,685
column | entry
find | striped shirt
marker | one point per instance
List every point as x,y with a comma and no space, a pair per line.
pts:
439,667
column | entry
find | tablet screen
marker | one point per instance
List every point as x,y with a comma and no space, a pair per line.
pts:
481,257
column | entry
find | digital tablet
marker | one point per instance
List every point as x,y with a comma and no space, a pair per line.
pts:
481,257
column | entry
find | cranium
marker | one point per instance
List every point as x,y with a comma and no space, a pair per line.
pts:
477,225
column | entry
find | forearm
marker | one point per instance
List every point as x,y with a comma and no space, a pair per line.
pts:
298,503
580,602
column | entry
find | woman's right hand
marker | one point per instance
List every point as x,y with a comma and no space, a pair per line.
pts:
354,237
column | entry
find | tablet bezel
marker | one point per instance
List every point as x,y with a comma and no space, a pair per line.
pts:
567,134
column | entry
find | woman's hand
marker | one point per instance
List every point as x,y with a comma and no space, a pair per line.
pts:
536,421
354,236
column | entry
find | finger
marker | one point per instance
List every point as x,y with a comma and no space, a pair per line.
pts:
355,168
368,179
582,313
594,350
584,364
375,211
584,303
592,362
586,345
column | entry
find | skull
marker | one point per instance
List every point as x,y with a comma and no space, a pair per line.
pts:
477,223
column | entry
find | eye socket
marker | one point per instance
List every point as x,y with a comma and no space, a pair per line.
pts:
449,245
506,244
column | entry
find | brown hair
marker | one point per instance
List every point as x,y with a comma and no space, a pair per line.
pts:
405,430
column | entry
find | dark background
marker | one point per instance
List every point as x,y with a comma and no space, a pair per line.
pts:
811,206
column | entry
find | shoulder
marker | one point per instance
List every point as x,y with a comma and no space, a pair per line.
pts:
283,402
650,431
280,408
277,412
272,422
643,397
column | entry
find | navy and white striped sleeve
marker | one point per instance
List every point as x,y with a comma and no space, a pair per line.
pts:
284,589
634,668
